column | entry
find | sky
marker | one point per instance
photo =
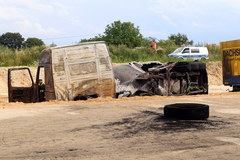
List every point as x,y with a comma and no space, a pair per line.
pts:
64,22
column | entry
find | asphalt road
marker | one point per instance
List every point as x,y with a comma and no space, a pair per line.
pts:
128,128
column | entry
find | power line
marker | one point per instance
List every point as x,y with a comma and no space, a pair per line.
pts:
66,37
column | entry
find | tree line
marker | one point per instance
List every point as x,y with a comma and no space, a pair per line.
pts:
17,41
126,33
116,33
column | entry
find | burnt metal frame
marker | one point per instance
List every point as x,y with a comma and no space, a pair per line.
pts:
25,97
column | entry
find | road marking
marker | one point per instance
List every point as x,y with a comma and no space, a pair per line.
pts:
229,139
229,111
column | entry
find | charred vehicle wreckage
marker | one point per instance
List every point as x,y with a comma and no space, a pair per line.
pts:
82,71
156,78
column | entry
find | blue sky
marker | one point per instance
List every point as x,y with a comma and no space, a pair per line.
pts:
67,21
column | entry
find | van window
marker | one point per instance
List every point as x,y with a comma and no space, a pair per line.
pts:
178,50
186,50
194,50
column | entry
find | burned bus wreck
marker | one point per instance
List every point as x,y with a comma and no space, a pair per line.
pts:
156,78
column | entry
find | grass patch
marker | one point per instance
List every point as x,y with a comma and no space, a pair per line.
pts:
119,54
122,54
24,57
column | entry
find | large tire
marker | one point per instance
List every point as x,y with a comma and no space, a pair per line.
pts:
236,88
202,66
182,67
187,111
197,66
189,66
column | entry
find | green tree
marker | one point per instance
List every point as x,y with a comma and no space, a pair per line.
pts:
12,40
123,33
52,44
120,33
180,39
31,42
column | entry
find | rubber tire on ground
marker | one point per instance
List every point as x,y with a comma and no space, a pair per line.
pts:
187,111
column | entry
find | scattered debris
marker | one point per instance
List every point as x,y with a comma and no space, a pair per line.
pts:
156,78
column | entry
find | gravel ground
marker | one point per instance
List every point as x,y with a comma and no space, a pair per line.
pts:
127,128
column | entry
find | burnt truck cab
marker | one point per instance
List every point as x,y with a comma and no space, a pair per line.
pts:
69,73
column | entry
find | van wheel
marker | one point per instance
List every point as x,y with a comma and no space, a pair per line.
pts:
187,111
203,59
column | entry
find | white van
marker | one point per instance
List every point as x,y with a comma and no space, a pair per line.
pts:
190,52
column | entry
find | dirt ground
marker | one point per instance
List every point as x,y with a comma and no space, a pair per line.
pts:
126,128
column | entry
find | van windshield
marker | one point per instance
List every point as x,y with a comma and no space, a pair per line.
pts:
178,50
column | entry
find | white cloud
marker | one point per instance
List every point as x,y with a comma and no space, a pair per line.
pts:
178,8
195,24
31,17
168,20
29,4
93,29
191,8
35,28
10,13
37,6
159,18
61,9
195,13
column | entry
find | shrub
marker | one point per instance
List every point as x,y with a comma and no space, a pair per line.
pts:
32,42
124,54
166,47
214,52
25,57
